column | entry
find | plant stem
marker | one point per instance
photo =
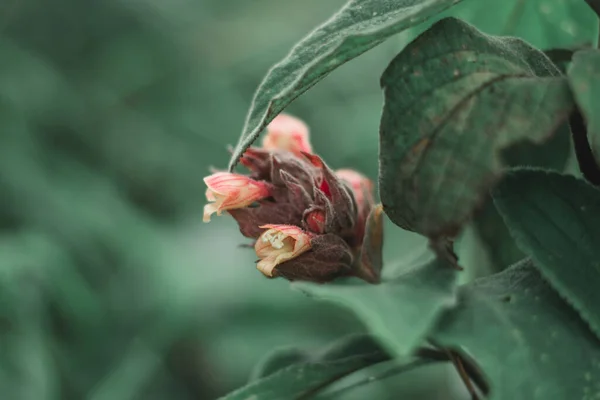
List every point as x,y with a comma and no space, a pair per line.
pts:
455,358
466,364
423,356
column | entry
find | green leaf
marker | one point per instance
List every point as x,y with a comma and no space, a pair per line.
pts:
356,28
496,239
584,77
527,340
300,380
399,311
285,357
376,380
276,360
349,346
556,220
455,101
543,23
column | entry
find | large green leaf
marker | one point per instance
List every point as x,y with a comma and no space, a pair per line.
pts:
556,220
501,248
527,340
284,357
278,359
455,99
356,28
301,379
400,310
584,77
401,378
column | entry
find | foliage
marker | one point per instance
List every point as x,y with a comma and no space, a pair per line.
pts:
466,113
113,111
446,141
520,332
401,309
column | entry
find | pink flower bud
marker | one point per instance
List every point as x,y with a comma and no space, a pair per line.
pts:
278,244
315,220
287,133
227,191
362,187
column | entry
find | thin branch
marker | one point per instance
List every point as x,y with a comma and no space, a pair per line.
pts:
458,364
423,356
467,364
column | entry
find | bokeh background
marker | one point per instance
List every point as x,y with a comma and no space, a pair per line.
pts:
112,111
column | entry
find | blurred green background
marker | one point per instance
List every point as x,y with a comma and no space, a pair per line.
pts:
112,112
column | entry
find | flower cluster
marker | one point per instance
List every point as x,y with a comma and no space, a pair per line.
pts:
308,221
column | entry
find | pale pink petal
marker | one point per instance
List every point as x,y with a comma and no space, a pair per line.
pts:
280,243
210,209
355,179
221,182
210,196
360,184
229,191
287,133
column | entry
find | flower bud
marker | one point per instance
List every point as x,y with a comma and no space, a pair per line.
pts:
315,220
329,258
278,244
227,191
334,196
287,133
362,187
307,221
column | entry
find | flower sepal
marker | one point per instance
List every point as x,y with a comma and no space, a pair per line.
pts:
329,258
369,261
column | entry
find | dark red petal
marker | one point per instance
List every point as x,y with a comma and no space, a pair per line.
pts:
324,187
